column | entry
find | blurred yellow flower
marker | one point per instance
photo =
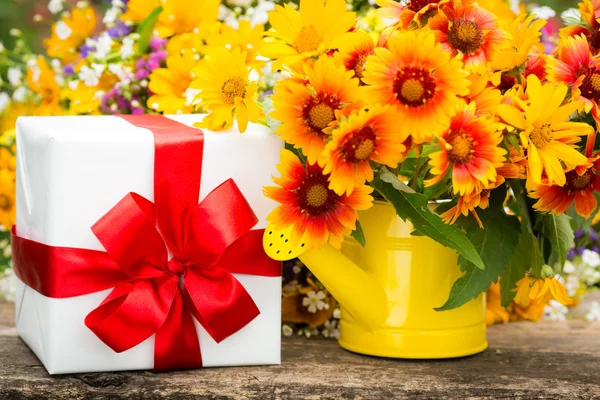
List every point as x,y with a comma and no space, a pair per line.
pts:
539,289
83,99
180,16
41,80
7,198
246,38
139,10
170,86
306,33
524,33
225,90
494,312
70,32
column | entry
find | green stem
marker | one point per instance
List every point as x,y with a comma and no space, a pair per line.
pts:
520,196
415,178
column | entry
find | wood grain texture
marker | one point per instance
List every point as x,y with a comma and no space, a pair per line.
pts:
525,361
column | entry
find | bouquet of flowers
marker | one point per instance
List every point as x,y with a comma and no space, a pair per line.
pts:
453,102
456,103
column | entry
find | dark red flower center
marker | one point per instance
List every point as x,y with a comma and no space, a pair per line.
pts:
6,203
506,82
314,195
465,35
359,146
357,63
320,112
418,5
590,86
413,86
576,182
595,37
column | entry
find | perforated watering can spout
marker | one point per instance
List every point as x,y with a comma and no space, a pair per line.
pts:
357,292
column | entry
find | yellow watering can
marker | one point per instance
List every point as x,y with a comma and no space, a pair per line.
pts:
388,290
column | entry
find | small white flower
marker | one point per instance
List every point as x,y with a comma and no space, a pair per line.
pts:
1,47
337,314
19,94
240,3
4,101
331,330
555,311
314,301
543,12
89,76
103,46
260,13
14,76
308,332
7,252
111,15
593,313
63,31
571,16
55,6
56,65
569,268
127,48
590,258
8,285
287,330
73,84
190,96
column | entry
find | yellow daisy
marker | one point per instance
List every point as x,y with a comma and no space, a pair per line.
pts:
225,90
545,131
353,48
139,10
7,198
170,86
307,33
246,38
531,289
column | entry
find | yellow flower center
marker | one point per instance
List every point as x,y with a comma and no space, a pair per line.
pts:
317,195
359,65
359,145
595,81
6,203
462,147
309,39
413,86
320,116
232,88
466,36
365,149
412,90
541,135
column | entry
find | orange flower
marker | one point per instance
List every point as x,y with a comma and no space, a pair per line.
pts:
41,80
469,30
470,148
589,10
420,79
467,203
516,166
370,135
307,108
353,48
579,188
494,312
486,97
315,213
539,290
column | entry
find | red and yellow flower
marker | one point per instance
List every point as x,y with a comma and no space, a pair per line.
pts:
480,198
545,131
470,149
307,107
466,29
316,213
575,66
369,135
590,28
581,183
407,12
353,48
420,79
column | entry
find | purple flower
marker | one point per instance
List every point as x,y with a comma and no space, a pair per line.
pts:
593,235
141,74
68,69
571,254
119,30
137,111
157,43
84,50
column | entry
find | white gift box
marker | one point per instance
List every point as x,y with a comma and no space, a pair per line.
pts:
70,172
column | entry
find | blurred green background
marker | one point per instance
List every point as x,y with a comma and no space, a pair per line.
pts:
19,14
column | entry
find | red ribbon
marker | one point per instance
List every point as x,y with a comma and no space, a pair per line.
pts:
153,295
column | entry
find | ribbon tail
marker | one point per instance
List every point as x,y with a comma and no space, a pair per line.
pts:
176,343
219,302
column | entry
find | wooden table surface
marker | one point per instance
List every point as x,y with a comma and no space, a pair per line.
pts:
525,360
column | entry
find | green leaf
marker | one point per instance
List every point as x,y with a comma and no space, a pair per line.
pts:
414,207
359,235
526,255
146,28
577,221
495,243
557,229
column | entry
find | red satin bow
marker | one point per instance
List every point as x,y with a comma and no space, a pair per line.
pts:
155,295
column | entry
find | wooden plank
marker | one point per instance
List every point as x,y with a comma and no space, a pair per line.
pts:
525,360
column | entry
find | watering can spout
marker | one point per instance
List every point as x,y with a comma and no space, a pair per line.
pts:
357,291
